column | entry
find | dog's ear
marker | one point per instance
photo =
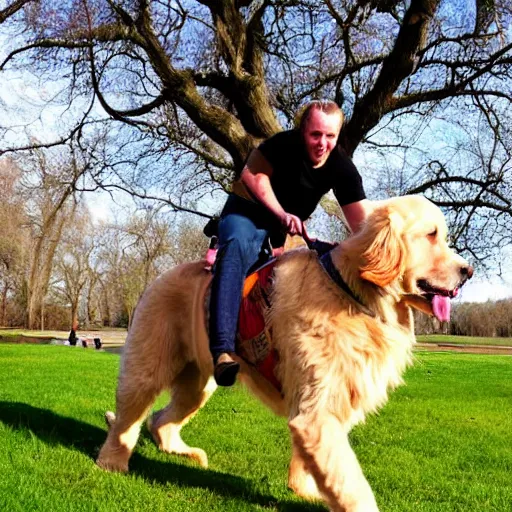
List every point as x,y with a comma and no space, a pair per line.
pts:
383,259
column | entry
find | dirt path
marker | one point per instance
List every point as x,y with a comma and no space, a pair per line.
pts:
117,339
112,338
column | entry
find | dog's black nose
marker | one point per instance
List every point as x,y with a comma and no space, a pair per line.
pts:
467,272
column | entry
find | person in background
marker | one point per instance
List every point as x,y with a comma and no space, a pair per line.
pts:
279,187
72,334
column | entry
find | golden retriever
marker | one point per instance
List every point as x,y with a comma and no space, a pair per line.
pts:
337,358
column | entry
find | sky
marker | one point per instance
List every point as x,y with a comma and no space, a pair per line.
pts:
482,289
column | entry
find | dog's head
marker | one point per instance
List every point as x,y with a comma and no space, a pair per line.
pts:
404,244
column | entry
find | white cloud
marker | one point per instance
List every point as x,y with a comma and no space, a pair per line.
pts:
482,290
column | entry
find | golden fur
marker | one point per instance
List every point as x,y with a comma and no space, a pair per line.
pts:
337,363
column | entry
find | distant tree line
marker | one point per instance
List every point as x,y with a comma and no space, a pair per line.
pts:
59,268
489,319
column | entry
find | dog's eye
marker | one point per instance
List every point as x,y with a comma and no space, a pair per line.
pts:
433,233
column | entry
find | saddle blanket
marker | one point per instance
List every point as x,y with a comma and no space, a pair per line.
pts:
254,341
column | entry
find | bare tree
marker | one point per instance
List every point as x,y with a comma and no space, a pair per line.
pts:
188,242
186,88
13,242
72,266
127,256
50,203
93,297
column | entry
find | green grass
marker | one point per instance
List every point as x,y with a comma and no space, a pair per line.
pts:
443,442
464,340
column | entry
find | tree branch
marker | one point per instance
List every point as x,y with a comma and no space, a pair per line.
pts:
142,195
397,66
12,9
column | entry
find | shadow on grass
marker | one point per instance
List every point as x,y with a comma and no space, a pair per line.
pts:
54,429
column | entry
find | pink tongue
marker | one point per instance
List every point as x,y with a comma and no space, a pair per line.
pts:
441,307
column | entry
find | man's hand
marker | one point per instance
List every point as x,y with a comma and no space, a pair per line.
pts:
292,224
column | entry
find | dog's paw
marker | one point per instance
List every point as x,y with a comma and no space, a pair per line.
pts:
112,466
304,485
199,456
110,418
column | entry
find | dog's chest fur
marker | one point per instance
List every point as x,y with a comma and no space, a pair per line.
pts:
345,359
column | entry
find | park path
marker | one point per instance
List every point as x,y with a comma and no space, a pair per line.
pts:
108,338
117,338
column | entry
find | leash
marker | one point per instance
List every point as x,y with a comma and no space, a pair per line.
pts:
332,272
323,249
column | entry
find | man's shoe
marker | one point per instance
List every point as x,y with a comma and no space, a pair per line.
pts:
225,373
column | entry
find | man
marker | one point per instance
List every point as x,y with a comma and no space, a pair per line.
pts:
279,188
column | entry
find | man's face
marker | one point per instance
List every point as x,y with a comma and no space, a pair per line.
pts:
320,133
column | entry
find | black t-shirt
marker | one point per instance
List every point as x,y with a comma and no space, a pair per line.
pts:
298,186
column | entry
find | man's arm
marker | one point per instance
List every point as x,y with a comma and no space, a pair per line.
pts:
349,192
356,213
256,178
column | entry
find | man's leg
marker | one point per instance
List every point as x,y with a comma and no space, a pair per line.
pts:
240,243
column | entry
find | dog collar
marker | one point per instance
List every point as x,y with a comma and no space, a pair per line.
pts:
332,272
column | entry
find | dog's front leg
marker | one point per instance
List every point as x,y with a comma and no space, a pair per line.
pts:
300,479
323,444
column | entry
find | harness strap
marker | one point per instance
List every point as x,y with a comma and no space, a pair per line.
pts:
332,272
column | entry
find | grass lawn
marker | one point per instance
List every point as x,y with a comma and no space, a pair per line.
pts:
443,442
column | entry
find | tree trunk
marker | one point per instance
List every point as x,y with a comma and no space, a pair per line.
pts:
42,261
4,305
74,315
105,313
91,310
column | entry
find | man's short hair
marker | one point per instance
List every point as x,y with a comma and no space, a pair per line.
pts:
326,106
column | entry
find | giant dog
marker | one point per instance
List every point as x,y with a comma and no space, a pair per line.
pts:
339,351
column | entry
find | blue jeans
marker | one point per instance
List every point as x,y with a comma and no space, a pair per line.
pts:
244,228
